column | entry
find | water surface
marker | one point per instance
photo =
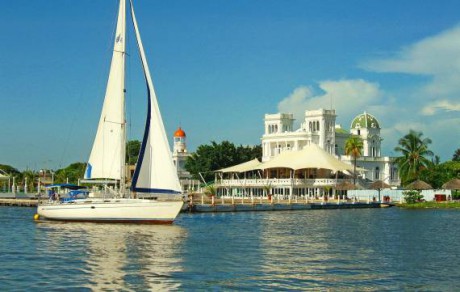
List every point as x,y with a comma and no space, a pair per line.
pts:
362,249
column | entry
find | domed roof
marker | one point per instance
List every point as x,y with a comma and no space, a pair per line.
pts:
365,120
179,133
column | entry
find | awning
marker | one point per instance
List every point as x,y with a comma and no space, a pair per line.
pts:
312,156
243,167
3,175
66,186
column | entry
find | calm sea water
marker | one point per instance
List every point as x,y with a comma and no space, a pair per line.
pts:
369,249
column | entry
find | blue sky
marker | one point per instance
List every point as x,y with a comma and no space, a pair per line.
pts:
219,66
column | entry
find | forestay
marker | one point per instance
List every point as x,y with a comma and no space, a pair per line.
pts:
155,171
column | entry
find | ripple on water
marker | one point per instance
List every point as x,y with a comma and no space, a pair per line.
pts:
373,250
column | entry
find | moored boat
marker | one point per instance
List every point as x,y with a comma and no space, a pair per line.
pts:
155,175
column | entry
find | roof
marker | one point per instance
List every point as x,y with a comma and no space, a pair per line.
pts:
179,133
346,186
418,185
453,184
341,131
243,167
312,156
378,184
365,120
66,186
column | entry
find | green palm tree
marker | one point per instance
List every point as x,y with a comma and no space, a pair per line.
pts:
354,147
415,156
456,156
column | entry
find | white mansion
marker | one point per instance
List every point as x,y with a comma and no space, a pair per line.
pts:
309,161
319,127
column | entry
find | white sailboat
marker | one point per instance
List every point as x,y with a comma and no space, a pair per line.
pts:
155,173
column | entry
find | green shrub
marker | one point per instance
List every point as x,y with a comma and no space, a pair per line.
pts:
412,196
455,195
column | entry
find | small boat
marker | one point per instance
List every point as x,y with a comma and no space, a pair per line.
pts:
155,195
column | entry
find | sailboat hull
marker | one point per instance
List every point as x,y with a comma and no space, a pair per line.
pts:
112,211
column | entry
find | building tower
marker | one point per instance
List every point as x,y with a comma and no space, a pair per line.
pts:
179,156
367,128
179,150
179,141
320,125
274,140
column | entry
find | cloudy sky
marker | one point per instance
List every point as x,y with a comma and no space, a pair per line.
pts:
219,66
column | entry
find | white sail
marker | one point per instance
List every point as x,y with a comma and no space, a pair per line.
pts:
107,156
155,171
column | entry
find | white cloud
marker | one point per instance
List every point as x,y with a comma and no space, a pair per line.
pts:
347,97
438,57
445,105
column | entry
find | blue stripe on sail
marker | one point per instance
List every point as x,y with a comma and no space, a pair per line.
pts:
89,167
146,132
156,191
140,159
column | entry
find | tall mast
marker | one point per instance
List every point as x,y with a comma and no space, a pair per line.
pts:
123,105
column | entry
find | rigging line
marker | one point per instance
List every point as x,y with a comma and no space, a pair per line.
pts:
71,128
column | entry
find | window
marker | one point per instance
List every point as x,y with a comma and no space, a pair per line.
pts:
377,172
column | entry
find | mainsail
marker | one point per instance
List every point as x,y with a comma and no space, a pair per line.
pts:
107,156
155,171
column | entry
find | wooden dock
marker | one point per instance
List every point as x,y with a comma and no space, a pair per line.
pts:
238,207
19,202
247,207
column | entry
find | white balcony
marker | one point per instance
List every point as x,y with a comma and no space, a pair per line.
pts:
279,182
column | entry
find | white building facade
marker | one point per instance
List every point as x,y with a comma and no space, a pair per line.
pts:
319,127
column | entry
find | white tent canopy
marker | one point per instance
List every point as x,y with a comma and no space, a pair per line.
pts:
3,175
311,156
243,167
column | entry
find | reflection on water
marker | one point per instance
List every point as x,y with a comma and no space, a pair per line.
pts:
114,256
320,251
353,250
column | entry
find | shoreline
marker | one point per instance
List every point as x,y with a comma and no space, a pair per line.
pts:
431,205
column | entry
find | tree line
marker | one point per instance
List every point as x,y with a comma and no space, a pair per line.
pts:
416,161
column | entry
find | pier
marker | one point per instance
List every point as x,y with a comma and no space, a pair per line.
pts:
208,207
204,204
19,202
248,207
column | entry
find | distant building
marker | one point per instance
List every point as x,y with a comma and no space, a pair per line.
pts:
319,127
179,156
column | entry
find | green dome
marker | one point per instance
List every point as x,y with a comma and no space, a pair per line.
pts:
365,120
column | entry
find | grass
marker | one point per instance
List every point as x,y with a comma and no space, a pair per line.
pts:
432,205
